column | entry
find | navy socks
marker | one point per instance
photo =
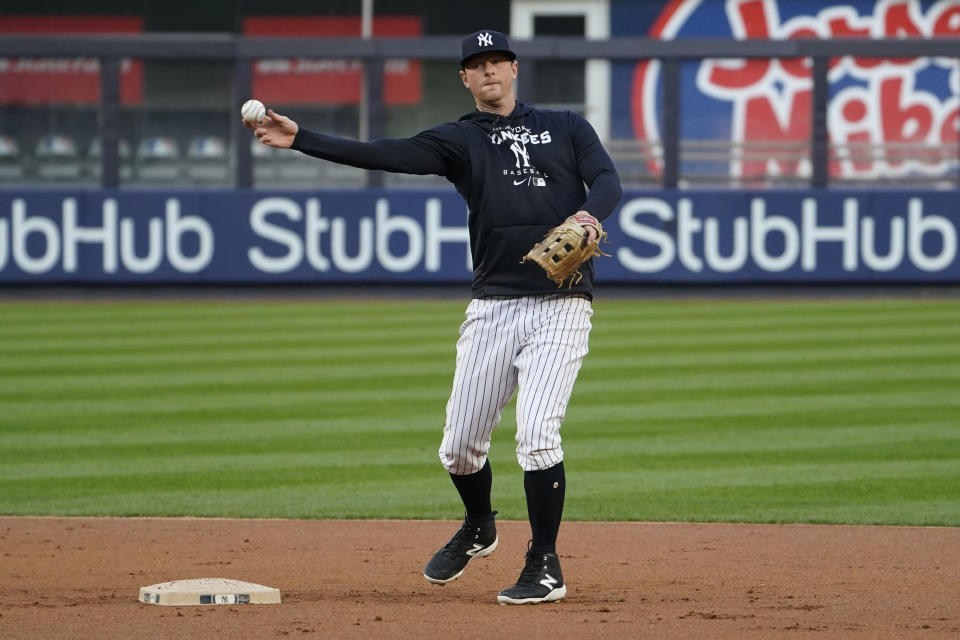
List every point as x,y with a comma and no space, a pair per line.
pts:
474,490
545,491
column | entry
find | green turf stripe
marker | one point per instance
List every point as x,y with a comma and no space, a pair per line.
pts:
153,432
162,464
307,492
362,500
881,511
327,470
395,333
322,320
264,378
601,358
360,358
651,354
731,306
60,334
100,430
772,438
188,453
767,404
32,313
811,336
787,479
319,375
777,378
382,334
761,401
772,326
42,364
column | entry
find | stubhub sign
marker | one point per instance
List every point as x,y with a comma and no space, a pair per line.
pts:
803,236
233,236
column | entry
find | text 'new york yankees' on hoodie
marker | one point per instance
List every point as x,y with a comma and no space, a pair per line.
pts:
521,175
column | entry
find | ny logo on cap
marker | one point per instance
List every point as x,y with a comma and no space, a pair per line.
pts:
485,40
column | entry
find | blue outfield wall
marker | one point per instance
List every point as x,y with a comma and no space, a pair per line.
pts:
656,236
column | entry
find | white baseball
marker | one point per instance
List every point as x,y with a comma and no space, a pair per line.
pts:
252,111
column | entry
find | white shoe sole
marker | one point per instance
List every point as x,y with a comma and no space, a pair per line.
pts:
480,554
553,596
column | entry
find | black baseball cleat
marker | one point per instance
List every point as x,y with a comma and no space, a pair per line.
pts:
540,581
471,541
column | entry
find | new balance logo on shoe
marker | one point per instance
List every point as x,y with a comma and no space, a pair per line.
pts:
549,582
540,581
469,542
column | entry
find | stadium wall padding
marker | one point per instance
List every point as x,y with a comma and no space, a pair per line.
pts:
235,236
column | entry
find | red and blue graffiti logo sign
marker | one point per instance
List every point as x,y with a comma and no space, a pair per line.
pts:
886,117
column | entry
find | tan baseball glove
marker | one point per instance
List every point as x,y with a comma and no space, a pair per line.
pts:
566,247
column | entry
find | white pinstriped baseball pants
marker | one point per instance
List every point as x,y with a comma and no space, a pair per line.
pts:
535,344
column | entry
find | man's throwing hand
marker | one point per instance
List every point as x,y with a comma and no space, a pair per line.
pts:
274,130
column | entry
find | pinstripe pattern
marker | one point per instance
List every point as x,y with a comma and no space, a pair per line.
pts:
534,343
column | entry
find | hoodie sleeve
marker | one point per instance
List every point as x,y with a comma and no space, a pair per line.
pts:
440,151
596,169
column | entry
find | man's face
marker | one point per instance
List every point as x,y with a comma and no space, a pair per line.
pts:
489,76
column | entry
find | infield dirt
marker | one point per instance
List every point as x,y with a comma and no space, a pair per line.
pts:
79,578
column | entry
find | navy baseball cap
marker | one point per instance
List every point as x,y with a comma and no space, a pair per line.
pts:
484,41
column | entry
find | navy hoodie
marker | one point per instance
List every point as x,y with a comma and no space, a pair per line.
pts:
521,175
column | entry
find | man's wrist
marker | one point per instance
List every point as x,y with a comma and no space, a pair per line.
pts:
584,218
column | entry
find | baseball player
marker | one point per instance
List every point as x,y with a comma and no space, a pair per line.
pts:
522,172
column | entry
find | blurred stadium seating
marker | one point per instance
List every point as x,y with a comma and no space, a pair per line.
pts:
158,161
282,168
265,170
57,159
11,162
93,160
208,161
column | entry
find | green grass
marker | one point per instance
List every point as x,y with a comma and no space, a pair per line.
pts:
707,410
